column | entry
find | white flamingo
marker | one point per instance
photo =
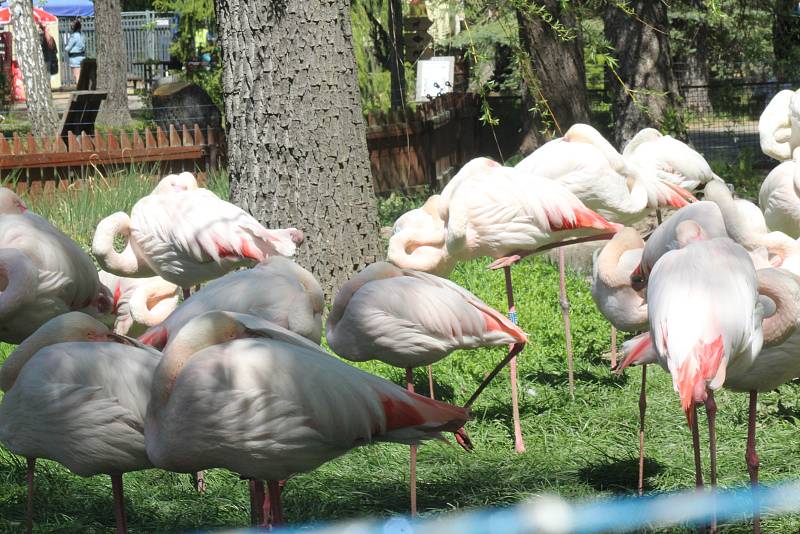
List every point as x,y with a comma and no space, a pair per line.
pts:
237,392
409,318
665,158
74,395
778,126
277,290
779,198
187,237
44,272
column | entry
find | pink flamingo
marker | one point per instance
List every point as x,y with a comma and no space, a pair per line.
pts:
409,318
187,237
45,273
491,210
237,392
776,364
138,303
662,157
291,298
75,395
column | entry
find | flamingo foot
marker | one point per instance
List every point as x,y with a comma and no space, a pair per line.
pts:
506,261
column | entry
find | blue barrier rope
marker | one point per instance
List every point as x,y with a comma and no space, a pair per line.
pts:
551,514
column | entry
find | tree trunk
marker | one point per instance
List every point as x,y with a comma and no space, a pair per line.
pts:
641,42
297,153
555,84
112,63
35,74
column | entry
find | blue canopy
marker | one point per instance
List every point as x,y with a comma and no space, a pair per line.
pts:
66,8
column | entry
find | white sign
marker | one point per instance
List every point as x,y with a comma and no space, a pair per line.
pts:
434,77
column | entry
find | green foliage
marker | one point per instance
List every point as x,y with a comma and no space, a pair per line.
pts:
192,15
396,204
746,179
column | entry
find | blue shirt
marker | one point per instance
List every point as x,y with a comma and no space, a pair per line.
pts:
76,44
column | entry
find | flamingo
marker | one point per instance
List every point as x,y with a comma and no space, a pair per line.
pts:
488,209
409,318
237,392
778,127
75,395
286,295
139,302
779,198
10,203
187,237
175,183
776,364
44,272
418,241
746,225
705,319
601,177
618,189
665,158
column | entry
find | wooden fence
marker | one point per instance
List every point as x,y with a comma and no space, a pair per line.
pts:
423,148
35,163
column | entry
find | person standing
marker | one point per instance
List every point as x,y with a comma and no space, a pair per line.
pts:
76,48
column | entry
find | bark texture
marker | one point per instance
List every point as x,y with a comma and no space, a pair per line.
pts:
36,76
112,64
297,150
556,83
641,42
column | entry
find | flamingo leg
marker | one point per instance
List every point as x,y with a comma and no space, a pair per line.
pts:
412,478
519,443
199,481
258,502
698,465
187,292
275,508
430,381
512,353
564,301
752,460
119,504
642,410
29,512
711,412
613,347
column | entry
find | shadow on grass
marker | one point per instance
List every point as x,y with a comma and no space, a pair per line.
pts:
603,378
619,475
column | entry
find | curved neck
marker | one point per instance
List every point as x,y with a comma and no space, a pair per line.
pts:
784,290
153,301
608,263
125,263
411,249
24,352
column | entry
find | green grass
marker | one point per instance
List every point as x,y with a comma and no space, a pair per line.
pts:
578,448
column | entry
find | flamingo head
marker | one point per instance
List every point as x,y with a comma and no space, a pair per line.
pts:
10,203
176,183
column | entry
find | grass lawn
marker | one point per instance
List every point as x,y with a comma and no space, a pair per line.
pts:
576,448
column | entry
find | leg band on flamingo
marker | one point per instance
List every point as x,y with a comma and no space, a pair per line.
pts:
519,444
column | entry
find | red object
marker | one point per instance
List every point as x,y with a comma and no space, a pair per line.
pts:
39,15
18,88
